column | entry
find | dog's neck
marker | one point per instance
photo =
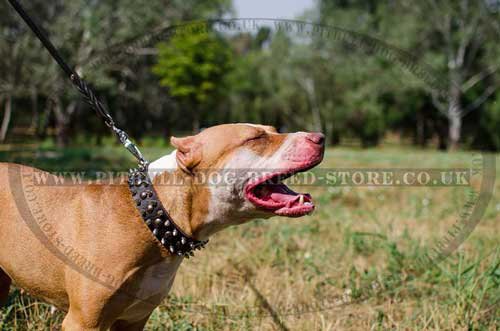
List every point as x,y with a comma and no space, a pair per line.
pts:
175,191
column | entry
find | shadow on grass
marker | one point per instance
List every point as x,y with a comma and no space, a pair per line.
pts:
83,159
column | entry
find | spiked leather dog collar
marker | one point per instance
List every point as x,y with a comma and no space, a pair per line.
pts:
156,217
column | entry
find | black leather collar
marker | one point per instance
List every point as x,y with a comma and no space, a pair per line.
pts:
156,217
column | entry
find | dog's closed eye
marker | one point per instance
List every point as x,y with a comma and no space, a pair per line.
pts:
256,137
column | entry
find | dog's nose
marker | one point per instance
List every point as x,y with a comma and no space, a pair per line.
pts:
316,137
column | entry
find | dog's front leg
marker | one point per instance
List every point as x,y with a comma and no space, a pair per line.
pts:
129,326
74,321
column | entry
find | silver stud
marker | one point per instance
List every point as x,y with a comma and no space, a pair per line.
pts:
183,240
148,221
168,234
143,195
172,249
159,212
150,208
167,223
158,221
155,232
163,241
138,182
175,233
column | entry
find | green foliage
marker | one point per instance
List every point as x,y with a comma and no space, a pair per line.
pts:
490,124
199,77
192,66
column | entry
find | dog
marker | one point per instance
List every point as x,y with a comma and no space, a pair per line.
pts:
86,249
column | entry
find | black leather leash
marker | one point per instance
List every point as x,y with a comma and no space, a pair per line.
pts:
154,215
80,84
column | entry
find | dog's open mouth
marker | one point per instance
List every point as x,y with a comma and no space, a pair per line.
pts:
268,192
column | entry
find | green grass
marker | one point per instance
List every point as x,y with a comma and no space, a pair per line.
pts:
355,264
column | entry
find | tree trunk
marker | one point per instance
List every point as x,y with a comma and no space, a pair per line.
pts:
35,120
43,125
454,132
308,86
167,131
62,122
196,121
454,118
6,118
420,130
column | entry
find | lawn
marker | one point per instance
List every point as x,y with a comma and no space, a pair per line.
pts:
355,264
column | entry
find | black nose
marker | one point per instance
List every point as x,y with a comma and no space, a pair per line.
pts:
316,137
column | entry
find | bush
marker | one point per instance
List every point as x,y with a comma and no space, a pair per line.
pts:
488,135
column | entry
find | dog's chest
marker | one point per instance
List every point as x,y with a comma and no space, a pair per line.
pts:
151,288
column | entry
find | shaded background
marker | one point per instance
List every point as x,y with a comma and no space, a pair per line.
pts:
268,76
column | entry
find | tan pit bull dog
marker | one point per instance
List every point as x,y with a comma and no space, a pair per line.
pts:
50,233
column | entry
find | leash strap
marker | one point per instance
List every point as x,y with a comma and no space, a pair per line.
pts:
80,84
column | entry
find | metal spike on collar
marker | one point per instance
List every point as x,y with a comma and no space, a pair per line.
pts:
156,217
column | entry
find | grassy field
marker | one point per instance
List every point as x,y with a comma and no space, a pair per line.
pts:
355,264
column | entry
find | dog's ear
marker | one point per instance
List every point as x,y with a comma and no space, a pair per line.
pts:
188,152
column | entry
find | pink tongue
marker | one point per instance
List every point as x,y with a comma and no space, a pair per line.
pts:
281,197
280,193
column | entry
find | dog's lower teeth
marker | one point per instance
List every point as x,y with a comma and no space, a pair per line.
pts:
301,199
307,203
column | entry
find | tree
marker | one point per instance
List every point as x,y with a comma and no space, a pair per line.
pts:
84,31
490,124
461,42
16,49
192,66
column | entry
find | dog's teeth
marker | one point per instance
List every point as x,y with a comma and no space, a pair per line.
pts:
301,199
307,203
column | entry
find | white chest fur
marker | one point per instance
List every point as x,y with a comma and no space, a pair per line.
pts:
165,163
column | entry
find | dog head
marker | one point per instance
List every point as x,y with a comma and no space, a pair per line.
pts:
235,173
